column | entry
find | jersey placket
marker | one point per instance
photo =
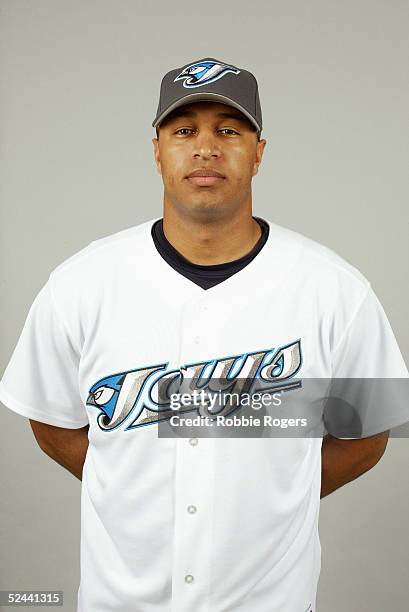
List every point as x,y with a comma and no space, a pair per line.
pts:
193,486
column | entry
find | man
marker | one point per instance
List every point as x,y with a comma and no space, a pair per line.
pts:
209,293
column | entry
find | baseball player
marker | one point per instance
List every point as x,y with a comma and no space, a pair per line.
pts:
203,523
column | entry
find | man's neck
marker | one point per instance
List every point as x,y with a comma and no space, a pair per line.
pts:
211,242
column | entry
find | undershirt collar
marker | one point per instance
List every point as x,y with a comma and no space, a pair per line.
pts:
205,276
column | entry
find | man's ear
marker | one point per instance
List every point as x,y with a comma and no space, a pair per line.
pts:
156,154
259,154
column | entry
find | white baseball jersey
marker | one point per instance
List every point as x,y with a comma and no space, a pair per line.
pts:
202,524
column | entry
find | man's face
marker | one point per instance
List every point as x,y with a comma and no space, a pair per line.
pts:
213,136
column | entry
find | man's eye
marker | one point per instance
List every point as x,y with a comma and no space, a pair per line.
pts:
190,130
228,130
183,130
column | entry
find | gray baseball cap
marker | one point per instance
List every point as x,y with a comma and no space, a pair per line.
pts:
213,80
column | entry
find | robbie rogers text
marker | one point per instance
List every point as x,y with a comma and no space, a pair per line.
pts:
236,421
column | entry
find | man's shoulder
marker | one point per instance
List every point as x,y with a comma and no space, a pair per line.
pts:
88,270
317,259
105,250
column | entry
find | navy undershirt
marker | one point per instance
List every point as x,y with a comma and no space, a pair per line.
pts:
202,275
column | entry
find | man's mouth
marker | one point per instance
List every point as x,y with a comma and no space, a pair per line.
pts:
205,177
205,180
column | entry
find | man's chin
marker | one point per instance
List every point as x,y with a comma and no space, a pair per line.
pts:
206,210
202,205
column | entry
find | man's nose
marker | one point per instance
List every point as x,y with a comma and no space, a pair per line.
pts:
206,145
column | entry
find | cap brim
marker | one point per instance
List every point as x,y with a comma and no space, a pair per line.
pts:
198,97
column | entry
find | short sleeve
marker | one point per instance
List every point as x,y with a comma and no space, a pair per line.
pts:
370,382
41,378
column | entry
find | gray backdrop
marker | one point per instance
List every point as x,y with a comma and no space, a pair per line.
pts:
80,83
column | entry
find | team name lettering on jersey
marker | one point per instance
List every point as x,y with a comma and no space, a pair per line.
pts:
142,396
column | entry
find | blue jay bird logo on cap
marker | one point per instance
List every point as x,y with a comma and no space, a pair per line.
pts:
202,73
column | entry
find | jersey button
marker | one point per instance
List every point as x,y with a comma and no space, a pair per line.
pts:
191,509
189,578
193,441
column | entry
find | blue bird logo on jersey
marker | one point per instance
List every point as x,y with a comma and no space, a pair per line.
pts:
202,73
117,395
104,393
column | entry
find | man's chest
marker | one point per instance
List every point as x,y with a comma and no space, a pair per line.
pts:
138,349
